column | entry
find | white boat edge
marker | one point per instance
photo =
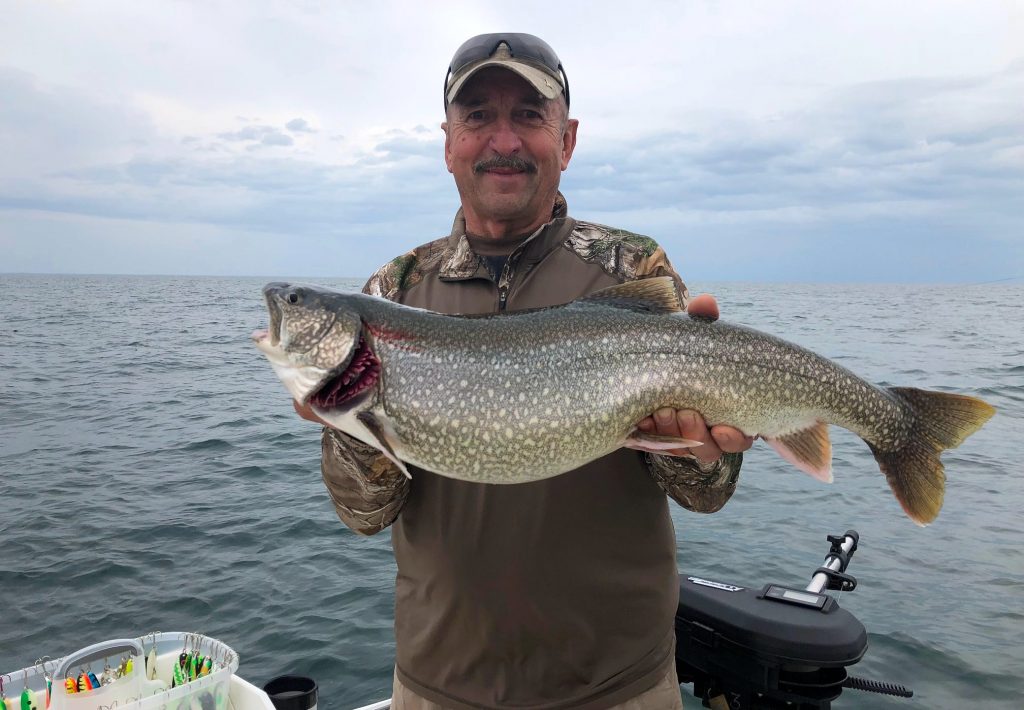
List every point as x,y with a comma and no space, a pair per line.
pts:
381,705
246,696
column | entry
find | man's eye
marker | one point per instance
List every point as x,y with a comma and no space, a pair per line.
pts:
475,116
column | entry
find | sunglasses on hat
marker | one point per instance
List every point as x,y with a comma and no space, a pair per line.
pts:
522,47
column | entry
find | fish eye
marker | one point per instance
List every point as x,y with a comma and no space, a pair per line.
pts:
293,297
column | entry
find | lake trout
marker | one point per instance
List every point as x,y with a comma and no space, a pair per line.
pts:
523,396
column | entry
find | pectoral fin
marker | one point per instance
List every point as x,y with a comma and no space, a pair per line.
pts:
379,439
810,450
656,443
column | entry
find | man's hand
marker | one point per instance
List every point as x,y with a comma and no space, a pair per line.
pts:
688,424
306,412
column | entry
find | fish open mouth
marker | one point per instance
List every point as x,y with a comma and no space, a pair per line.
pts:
360,375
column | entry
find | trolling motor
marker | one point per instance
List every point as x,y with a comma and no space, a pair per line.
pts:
776,647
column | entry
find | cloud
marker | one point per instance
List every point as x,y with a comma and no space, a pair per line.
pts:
299,125
277,138
43,127
856,182
264,135
923,150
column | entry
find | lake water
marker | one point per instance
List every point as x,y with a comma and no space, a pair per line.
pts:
153,476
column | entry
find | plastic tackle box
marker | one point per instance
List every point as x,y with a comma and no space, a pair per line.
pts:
132,691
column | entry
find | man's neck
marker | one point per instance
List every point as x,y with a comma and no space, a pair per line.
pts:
501,230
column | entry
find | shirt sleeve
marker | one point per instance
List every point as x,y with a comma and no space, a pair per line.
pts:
702,488
367,489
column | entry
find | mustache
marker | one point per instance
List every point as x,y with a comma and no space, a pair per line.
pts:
501,161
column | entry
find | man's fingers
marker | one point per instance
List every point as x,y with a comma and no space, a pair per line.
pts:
665,422
730,439
688,424
691,426
703,306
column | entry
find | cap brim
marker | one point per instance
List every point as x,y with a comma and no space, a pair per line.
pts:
546,85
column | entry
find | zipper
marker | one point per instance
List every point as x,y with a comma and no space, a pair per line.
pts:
503,279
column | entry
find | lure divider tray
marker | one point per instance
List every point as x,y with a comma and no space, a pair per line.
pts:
133,691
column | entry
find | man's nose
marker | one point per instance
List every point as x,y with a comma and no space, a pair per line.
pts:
505,140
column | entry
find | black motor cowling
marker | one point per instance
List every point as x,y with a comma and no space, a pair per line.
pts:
736,641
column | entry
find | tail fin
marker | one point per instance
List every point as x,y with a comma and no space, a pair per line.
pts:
914,472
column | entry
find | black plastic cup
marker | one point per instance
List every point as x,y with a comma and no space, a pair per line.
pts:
292,692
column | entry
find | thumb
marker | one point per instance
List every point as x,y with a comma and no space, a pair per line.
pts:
703,306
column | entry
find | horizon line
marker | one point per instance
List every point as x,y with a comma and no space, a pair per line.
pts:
364,278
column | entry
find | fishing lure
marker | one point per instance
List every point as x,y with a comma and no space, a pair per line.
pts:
151,662
41,664
128,667
207,667
179,677
5,702
83,683
26,695
93,680
109,675
70,686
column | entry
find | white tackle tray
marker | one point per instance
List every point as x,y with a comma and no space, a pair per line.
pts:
132,691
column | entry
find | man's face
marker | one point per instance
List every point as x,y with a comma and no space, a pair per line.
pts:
506,146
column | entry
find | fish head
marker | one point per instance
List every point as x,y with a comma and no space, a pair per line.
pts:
316,346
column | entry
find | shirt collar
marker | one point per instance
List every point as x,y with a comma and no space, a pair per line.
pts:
459,261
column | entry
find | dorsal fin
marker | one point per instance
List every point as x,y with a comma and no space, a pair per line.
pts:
655,295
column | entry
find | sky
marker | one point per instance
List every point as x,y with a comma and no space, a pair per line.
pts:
785,141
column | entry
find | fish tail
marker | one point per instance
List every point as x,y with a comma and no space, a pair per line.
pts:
914,471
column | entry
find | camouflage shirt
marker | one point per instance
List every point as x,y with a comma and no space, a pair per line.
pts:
563,260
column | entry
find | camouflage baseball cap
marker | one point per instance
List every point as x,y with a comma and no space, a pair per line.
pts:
528,56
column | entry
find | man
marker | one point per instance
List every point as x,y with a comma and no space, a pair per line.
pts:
559,593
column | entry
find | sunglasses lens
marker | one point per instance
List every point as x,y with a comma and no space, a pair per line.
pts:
521,46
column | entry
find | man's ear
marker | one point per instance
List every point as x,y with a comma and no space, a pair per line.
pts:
569,140
447,145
